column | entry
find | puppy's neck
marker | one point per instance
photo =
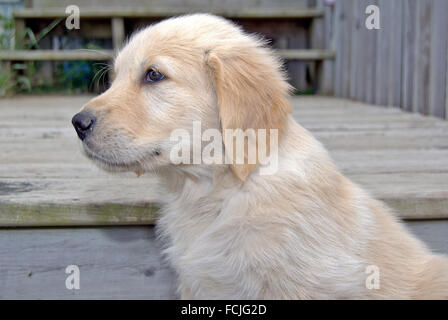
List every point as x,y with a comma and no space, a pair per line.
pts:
199,181
202,180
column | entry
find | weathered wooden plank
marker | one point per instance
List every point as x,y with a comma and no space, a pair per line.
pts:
409,53
418,208
337,27
60,215
426,199
373,118
19,33
161,12
327,81
81,190
409,57
395,56
421,78
410,184
392,161
413,194
343,41
446,89
355,65
167,4
54,55
317,34
49,160
439,51
390,140
306,54
433,233
383,53
390,122
399,157
297,70
316,126
101,55
42,175
370,62
114,263
364,51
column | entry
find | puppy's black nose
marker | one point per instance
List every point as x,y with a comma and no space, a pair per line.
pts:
83,123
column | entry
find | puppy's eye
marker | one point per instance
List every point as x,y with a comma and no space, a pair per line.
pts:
153,76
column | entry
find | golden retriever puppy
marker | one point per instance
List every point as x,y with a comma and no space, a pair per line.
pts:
302,231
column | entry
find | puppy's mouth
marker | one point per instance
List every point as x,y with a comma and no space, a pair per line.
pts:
116,164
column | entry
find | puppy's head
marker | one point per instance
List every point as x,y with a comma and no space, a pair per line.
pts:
191,68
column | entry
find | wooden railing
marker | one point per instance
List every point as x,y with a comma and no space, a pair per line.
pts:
316,55
403,64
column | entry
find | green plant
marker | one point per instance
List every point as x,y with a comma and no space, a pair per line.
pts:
17,77
67,77
7,82
31,40
7,28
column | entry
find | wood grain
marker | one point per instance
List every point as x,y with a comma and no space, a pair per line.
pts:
114,262
409,43
403,64
395,57
382,53
421,80
401,158
160,12
439,51
102,55
54,55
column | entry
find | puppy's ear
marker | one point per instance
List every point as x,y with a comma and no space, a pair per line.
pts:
252,94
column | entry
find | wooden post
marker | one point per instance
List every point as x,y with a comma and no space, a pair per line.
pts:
328,65
422,58
118,33
319,77
118,36
409,54
318,42
5,67
19,33
19,36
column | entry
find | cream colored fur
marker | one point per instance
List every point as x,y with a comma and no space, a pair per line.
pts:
306,232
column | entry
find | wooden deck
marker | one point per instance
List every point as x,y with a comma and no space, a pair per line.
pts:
401,158
45,182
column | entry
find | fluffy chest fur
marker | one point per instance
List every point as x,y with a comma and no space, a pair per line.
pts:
269,237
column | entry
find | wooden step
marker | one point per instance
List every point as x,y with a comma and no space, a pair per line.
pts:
156,12
306,54
101,55
114,262
46,181
55,55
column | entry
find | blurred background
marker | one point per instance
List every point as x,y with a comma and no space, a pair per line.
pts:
325,44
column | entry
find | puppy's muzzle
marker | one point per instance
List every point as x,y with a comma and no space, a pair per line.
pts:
83,123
